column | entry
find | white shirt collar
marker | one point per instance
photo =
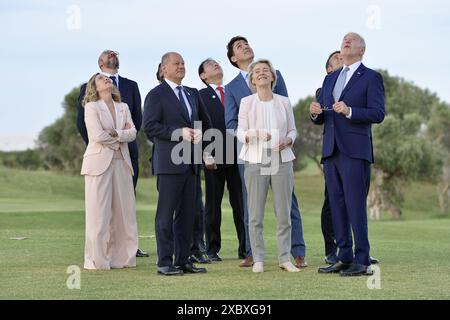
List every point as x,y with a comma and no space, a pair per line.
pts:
112,75
116,75
172,84
214,86
352,68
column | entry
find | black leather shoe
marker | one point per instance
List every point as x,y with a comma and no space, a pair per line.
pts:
356,270
169,271
374,260
190,268
140,253
334,268
199,258
331,259
214,257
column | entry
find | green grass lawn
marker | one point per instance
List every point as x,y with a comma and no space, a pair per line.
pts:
48,209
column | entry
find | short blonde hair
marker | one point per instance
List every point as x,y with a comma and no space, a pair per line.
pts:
92,94
271,68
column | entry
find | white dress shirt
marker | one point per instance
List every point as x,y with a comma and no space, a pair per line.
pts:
174,86
246,78
352,68
214,86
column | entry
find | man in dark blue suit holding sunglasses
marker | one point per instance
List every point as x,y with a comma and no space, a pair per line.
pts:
351,99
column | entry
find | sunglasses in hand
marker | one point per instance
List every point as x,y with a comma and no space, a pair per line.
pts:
325,108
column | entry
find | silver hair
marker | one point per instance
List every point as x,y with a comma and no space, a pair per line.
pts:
361,40
166,57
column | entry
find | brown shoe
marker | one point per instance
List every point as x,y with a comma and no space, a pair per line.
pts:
247,262
300,262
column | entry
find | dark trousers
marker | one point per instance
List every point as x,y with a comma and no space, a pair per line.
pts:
174,227
327,227
215,185
135,164
347,181
198,243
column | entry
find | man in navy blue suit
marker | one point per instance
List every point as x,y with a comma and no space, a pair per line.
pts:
333,63
108,63
171,115
241,56
213,96
351,99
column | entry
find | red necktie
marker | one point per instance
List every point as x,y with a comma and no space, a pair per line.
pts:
222,95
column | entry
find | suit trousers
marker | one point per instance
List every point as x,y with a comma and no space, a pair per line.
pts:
198,240
298,248
327,227
215,185
135,164
347,181
111,229
175,214
282,182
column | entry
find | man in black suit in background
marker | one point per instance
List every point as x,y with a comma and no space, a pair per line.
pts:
212,97
108,63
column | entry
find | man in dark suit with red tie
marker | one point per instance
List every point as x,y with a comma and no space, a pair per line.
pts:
108,63
171,115
351,99
212,97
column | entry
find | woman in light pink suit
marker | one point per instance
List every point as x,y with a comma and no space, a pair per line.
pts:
111,229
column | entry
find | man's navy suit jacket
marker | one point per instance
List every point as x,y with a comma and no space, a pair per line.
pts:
364,93
163,114
216,111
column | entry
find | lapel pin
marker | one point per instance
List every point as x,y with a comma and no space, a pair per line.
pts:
213,97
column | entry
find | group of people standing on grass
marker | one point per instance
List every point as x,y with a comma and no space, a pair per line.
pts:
241,134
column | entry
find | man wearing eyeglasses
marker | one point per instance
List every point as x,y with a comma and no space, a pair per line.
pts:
354,98
108,63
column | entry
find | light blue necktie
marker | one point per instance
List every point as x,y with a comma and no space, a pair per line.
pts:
340,84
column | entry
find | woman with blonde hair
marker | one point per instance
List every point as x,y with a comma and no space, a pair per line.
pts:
111,229
266,127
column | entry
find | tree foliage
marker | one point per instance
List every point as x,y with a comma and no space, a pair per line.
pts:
308,144
60,143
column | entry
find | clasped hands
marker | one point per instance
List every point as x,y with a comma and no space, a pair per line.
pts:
192,135
113,133
339,107
263,135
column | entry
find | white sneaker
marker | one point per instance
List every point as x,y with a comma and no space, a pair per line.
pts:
258,267
289,267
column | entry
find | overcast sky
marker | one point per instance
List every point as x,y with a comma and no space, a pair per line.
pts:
49,47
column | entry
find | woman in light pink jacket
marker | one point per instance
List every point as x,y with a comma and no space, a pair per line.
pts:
111,230
266,127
